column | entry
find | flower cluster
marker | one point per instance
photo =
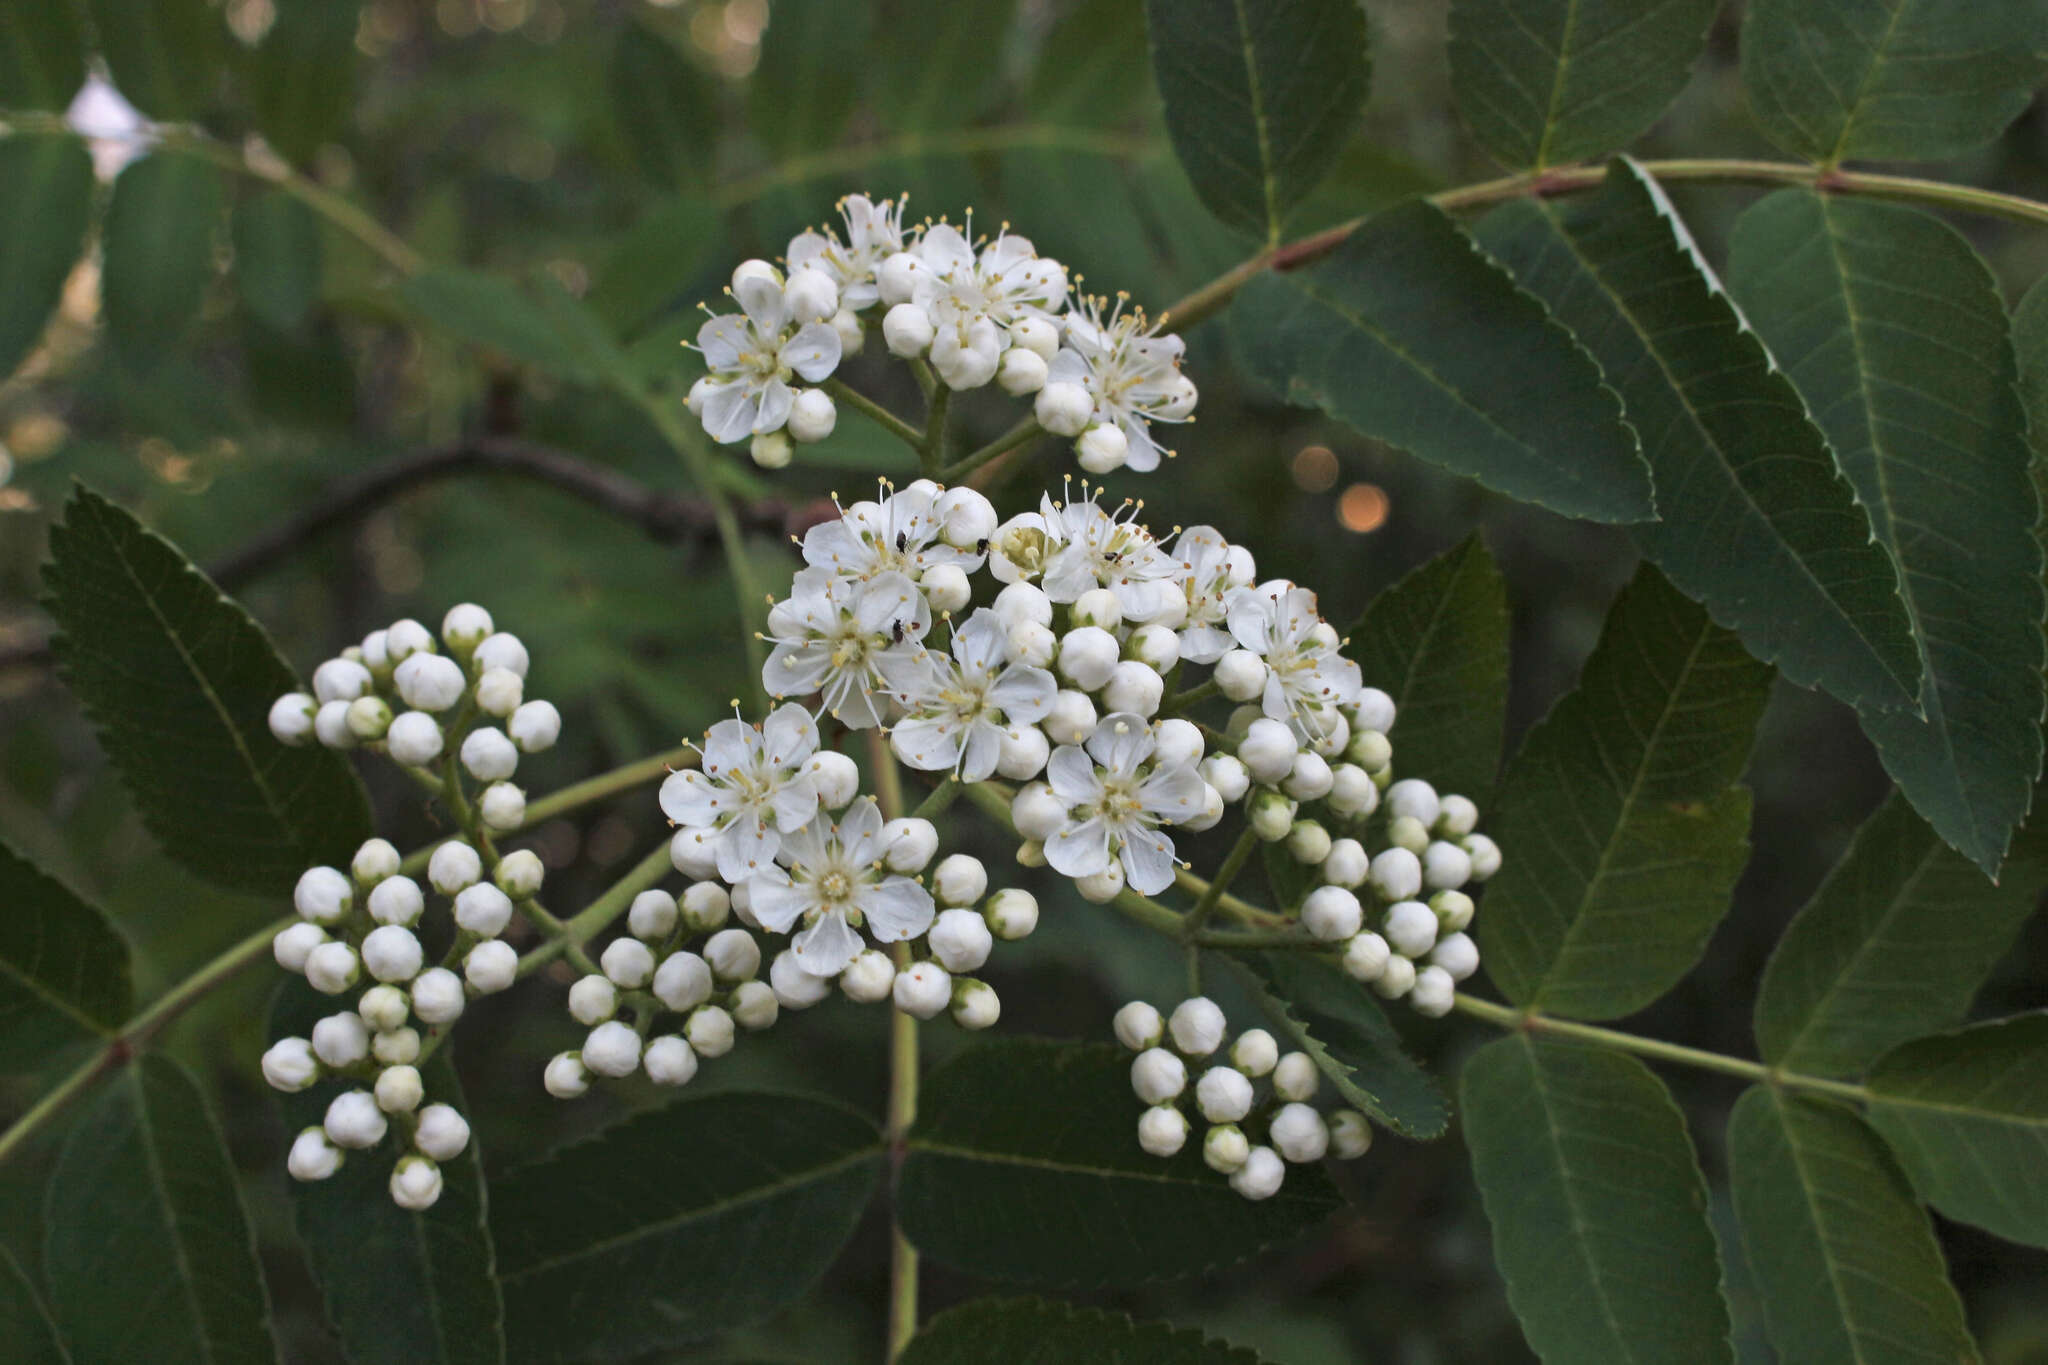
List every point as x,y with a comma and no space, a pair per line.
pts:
977,310
1254,1092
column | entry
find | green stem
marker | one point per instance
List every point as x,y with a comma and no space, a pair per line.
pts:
596,917
1016,437
932,452
903,1078
1233,863
608,784
1181,701
941,797
843,392
1261,938
1236,907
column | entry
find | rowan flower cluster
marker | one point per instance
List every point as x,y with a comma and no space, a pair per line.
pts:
1253,1091
977,310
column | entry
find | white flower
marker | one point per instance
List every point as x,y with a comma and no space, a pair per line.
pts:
1306,678
1004,284
874,232
1116,799
903,532
753,354
835,636
963,700
1207,567
1086,547
835,884
753,787
1130,370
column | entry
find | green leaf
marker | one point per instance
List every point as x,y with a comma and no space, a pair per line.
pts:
1598,1207
2030,347
1342,1027
63,967
678,1223
1625,829
166,56
158,243
1036,1332
1892,80
1545,82
1841,1255
1967,1115
1260,96
42,56
1893,330
149,1256
179,682
1025,1166
277,258
1373,336
951,72
24,1323
801,94
1437,643
301,78
1082,75
1893,945
667,109
398,1285
497,314
1757,522
648,268
43,218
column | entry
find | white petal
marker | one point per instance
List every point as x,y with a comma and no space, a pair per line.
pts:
897,908
729,412
929,744
826,947
1080,850
813,352
1147,859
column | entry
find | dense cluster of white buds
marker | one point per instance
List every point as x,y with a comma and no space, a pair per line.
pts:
979,311
1251,1092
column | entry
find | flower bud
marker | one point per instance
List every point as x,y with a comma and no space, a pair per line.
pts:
1064,408
355,1121
437,996
1299,1133
1352,790
1096,607
1224,1148
1350,1135
771,450
870,977
1102,449
651,918
1484,853
1032,644
294,942
1261,1175
1332,914
811,295
1157,1075
442,1132
313,1156
377,653
565,1077
1412,796
1396,875
330,725
368,719
1133,687
1023,752
1197,1026
852,335
1020,603
1445,867
1021,371
1397,980
794,987
1162,1130
290,1064
629,963
1374,710
1295,1077
535,726
491,966
520,874
396,1047
1365,957
1410,928
1308,843
399,1089
1271,815
1255,1053
709,1030
1036,812
465,626
405,638
1011,914
612,1049
1347,864
341,680
682,982
454,867
733,955
907,330
489,755
669,1060
1268,750
482,909
908,844
694,853
323,895
754,1005
959,880
383,1008
1099,888
397,900
1457,817
945,587
1224,1094
961,366
291,718
1087,656
1241,675
593,999
705,907
923,989
392,953
976,1005
502,806
1434,991
430,682
414,739
1332,732
1457,954
959,940
1227,775
1310,778
500,650
1072,718
332,968
1139,1026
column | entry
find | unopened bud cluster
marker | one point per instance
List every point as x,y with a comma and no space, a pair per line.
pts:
1255,1101
979,311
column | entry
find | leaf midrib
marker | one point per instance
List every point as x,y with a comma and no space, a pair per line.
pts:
1269,189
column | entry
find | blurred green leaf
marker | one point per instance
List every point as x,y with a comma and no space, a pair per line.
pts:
149,1256
1025,1166
945,67
398,1285
43,219
1083,72
1545,82
800,96
547,329
648,268
1037,1332
300,378
1893,945
1437,643
1842,1256
1758,523
24,1323
166,56
1895,80
42,56
1920,406
63,967
1260,95
1373,335
1967,1115
667,110
277,257
1625,827
179,682
301,77
158,254
678,1223
1598,1207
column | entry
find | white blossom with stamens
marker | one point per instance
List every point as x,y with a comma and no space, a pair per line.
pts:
1131,371
1005,283
753,355
753,788
1208,568
959,706
834,635
1090,548
900,532
1116,799
1306,678
832,886
874,232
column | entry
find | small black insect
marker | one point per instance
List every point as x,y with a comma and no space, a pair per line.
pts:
902,541
981,546
896,631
